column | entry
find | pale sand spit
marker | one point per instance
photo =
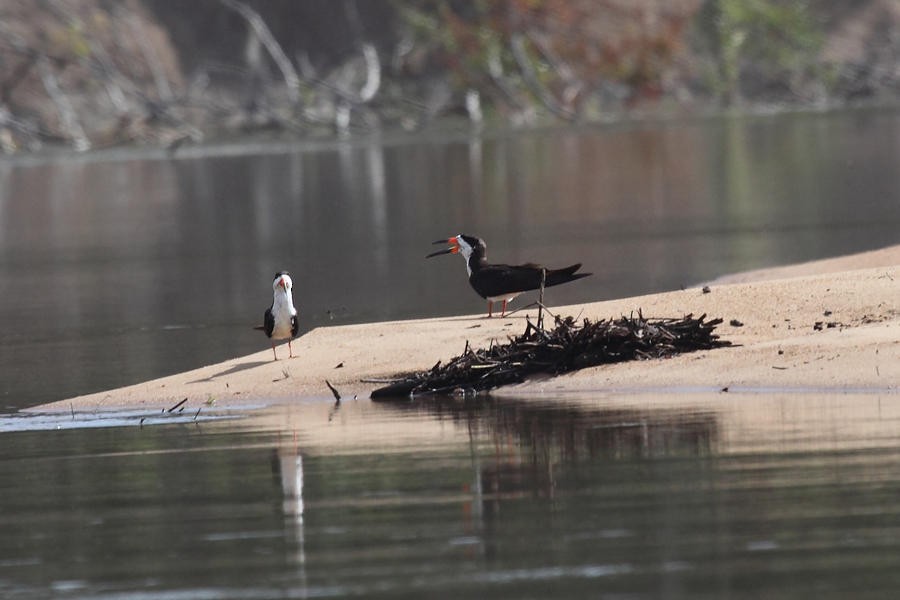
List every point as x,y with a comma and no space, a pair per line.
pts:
832,325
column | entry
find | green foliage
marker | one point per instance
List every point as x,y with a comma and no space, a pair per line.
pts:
779,38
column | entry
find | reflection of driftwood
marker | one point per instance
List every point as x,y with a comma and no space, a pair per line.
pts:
567,347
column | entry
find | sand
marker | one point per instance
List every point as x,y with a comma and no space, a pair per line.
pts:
831,325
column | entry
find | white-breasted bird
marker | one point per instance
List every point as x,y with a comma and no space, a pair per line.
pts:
280,320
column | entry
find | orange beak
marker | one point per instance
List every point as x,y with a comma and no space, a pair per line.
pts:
453,249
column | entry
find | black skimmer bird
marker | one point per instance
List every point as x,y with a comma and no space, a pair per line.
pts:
502,282
280,321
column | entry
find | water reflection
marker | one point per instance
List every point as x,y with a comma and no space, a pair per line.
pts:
287,464
684,495
697,494
127,269
572,432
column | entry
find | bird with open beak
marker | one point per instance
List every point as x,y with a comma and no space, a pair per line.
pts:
500,282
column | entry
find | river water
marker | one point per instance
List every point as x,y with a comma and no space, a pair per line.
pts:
603,495
129,266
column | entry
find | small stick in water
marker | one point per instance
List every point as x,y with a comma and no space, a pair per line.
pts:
337,400
177,405
334,392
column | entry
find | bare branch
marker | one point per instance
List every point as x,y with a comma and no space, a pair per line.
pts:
68,117
262,31
573,85
111,77
342,118
520,53
495,70
9,85
473,107
373,74
148,50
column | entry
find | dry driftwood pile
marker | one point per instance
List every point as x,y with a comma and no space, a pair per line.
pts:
567,347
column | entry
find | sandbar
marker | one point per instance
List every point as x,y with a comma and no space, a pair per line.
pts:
829,325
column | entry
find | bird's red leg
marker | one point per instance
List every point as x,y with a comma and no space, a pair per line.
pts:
490,308
275,354
503,314
290,350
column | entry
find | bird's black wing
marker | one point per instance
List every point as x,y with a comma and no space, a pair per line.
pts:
295,326
269,322
491,281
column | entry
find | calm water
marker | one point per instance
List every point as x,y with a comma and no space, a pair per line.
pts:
123,269
677,496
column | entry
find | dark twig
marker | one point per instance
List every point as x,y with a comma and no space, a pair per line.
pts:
334,392
540,322
337,400
177,405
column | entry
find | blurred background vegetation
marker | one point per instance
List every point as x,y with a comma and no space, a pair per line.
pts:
91,73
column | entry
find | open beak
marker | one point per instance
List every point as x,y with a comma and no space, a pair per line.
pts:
281,283
453,249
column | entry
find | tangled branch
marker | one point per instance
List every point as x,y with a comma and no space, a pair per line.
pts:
567,347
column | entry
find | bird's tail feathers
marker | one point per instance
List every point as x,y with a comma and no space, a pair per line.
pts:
564,275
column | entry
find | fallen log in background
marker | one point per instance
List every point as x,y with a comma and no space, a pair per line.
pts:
566,347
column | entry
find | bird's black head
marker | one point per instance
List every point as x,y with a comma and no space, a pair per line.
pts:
462,244
475,243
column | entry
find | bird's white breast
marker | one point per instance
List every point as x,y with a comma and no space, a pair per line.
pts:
282,311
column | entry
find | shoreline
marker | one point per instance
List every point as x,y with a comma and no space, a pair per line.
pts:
831,325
